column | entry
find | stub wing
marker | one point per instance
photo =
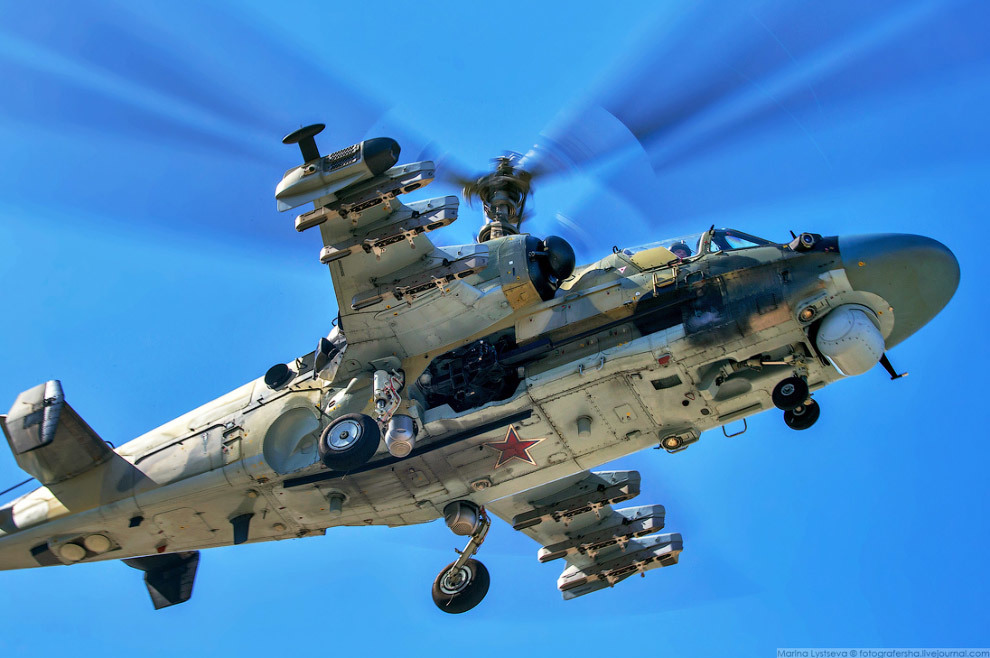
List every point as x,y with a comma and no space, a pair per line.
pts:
382,267
573,519
390,281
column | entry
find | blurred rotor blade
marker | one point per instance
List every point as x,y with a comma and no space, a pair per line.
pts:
451,170
164,92
162,74
417,147
715,80
583,242
579,138
712,68
793,64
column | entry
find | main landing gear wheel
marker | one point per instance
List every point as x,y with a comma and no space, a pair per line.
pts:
464,582
802,416
459,591
349,441
789,393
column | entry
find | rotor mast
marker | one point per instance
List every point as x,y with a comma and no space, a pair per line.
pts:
503,193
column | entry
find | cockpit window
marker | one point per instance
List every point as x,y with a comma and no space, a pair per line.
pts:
726,239
723,239
689,245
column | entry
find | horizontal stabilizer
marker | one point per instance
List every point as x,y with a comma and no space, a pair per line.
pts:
169,577
590,494
49,439
616,529
637,556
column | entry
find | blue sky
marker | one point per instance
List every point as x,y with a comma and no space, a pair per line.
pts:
145,266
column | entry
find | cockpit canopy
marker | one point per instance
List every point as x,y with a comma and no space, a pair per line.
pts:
688,246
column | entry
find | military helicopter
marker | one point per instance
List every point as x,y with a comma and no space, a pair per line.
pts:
474,380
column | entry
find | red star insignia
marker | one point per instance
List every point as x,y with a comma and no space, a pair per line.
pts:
514,448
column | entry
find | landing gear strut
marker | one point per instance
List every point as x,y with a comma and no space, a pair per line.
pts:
462,584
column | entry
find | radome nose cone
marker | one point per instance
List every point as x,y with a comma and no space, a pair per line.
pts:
916,275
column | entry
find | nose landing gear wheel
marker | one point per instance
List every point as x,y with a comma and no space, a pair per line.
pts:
349,441
802,416
789,393
457,592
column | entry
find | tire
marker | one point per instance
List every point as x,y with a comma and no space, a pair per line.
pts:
789,393
456,597
349,441
802,416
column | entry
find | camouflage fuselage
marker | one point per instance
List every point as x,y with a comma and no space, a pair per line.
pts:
637,348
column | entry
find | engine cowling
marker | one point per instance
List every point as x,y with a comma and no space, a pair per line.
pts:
531,269
850,339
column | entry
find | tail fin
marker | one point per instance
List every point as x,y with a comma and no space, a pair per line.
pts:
48,438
